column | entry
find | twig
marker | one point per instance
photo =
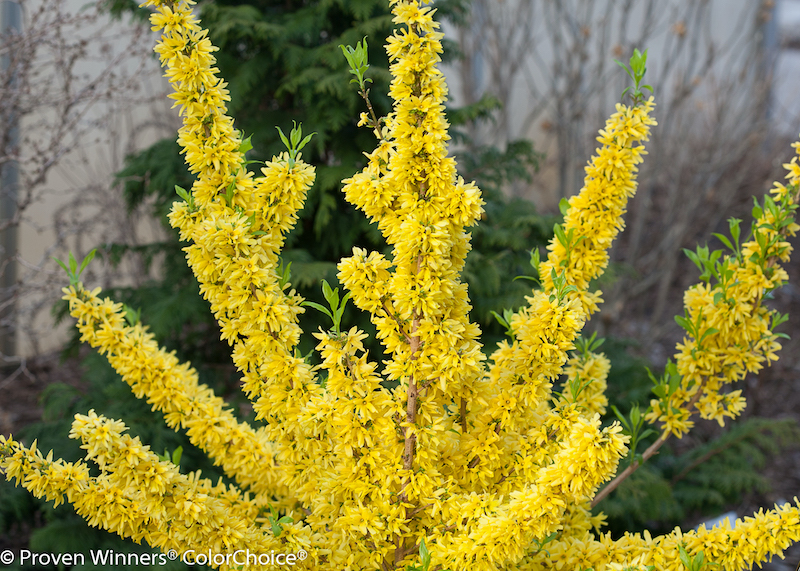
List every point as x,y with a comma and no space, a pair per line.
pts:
649,453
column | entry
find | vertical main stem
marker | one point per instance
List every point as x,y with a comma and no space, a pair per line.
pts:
411,408
412,402
410,443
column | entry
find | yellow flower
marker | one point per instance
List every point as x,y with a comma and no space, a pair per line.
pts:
486,465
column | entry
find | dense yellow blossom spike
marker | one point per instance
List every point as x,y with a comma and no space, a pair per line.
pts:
143,498
588,374
594,217
417,301
237,224
731,330
521,373
750,541
499,538
173,389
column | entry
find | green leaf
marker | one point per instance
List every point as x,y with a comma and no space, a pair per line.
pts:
535,260
89,257
285,274
305,141
182,193
560,236
685,324
706,333
685,558
733,225
628,71
715,255
563,206
646,433
296,134
229,192
331,296
698,560
724,240
348,54
283,138
319,307
500,318
276,527
63,265
131,316
757,211
176,455
693,257
779,318
621,418
635,416
246,145
337,314
424,555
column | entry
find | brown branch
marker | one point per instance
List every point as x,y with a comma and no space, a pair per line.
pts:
410,438
649,453
708,455
417,509
411,408
477,459
396,319
375,123
414,343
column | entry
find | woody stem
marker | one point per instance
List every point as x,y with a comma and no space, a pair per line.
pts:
649,453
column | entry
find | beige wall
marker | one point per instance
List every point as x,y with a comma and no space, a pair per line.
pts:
550,62
75,206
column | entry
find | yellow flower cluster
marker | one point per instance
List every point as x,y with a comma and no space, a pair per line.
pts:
460,464
729,330
173,389
137,495
237,224
518,385
594,217
588,374
751,540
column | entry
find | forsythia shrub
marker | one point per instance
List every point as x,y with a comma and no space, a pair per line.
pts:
443,458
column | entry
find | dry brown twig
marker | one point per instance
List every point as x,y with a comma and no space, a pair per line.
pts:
71,87
550,64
